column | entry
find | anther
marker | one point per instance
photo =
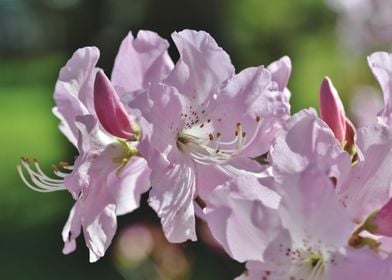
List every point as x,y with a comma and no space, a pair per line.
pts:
54,168
63,164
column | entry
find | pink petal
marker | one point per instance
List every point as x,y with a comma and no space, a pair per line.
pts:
71,230
368,186
74,90
281,71
381,65
110,111
305,141
91,141
127,186
161,108
361,264
172,197
310,208
140,61
239,208
202,66
99,229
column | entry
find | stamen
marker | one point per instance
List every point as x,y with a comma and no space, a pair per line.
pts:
212,151
40,182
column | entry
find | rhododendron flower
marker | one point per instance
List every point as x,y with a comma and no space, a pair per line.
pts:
362,187
304,237
202,125
108,177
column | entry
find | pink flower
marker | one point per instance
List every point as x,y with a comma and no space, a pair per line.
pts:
202,125
109,176
304,237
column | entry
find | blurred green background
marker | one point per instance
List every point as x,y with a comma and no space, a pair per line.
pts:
36,39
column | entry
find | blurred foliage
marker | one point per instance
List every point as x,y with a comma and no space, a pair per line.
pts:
38,36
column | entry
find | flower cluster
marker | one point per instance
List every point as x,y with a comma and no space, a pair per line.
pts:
294,196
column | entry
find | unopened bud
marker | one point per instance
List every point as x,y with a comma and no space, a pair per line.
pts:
110,111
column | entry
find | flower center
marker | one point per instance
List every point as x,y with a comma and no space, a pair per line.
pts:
205,146
308,261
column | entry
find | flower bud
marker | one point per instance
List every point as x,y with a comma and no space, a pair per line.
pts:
110,111
332,110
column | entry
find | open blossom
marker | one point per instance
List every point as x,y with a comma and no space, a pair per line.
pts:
362,187
108,177
295,197
305,236
203,124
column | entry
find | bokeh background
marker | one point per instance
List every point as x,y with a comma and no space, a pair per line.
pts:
36,39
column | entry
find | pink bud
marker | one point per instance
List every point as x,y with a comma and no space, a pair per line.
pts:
332,110
110,111
381,223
